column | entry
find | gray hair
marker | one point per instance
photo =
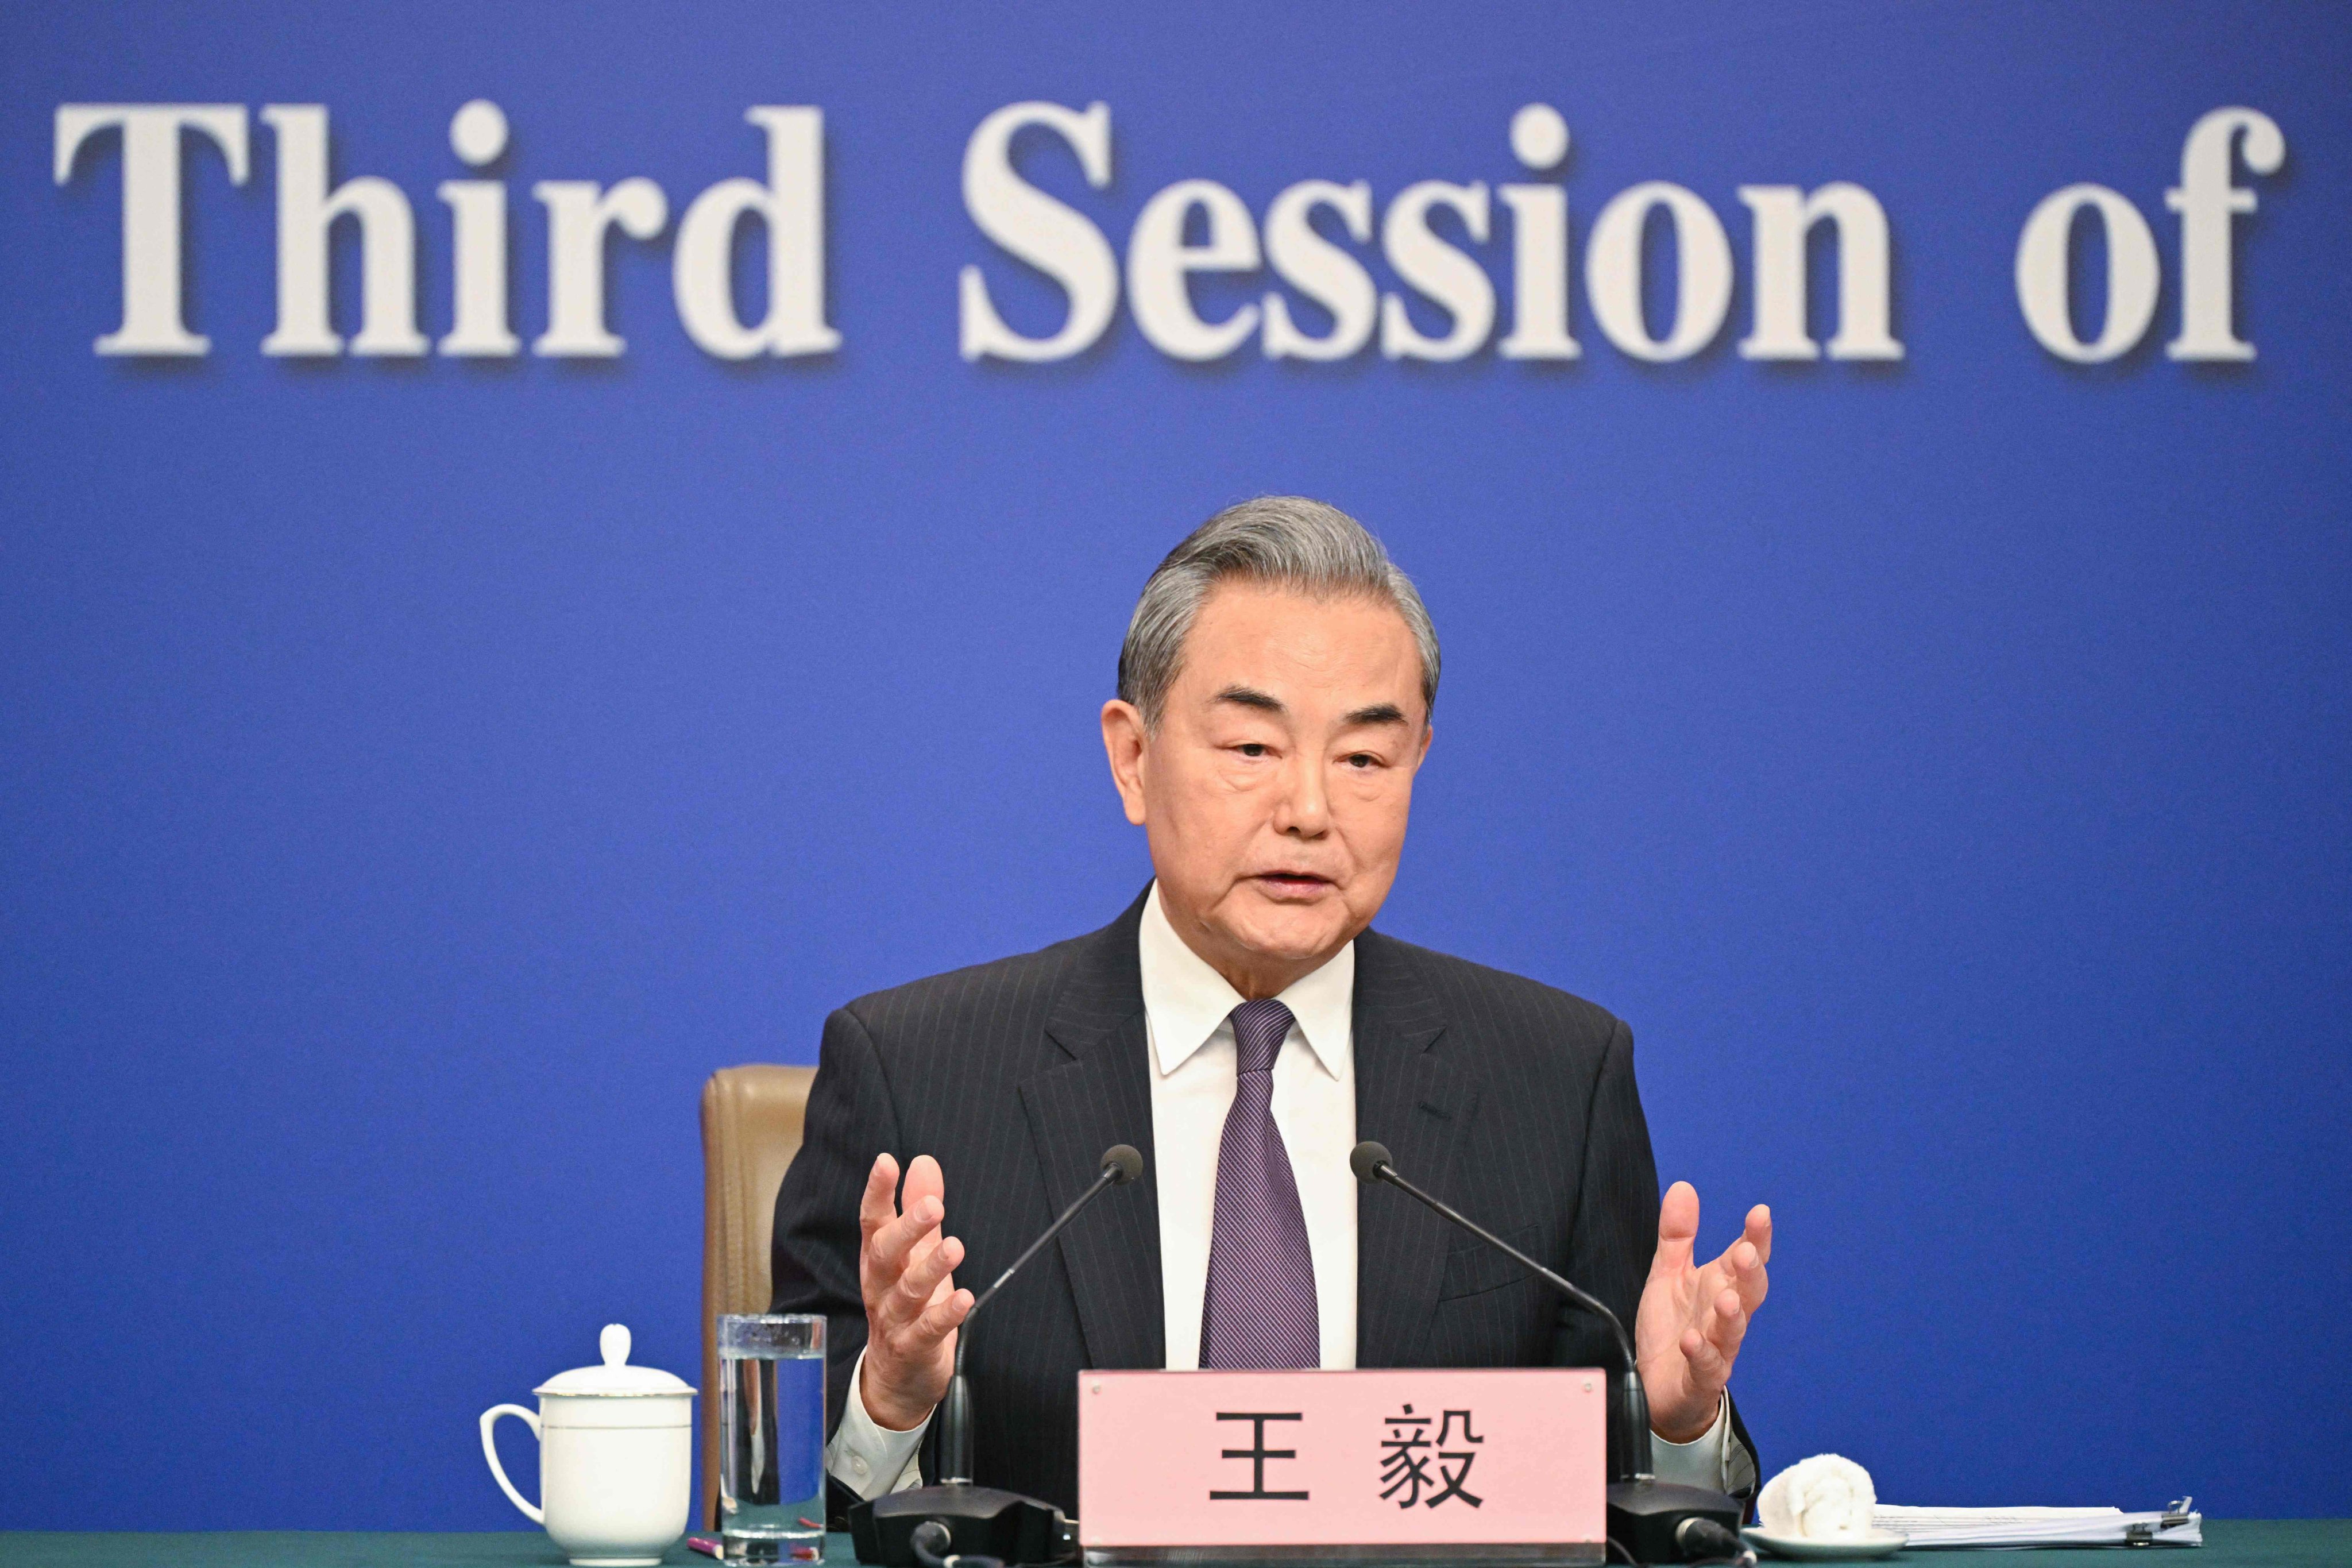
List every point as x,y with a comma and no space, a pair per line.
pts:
1287,542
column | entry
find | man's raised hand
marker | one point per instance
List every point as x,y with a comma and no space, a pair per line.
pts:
906,1272
1693,1317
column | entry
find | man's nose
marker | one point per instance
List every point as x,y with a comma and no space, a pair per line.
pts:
1303,809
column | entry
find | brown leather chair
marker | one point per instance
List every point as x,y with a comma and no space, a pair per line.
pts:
750,1131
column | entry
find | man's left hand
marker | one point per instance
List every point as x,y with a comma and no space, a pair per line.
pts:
1693,1317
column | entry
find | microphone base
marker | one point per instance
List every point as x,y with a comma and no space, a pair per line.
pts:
980,1521
1643,1516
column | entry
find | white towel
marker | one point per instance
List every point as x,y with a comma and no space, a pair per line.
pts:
1824,1498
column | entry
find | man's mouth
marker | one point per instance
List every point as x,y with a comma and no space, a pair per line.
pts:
1292,882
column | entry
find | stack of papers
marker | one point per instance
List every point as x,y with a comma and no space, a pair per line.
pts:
2175,1526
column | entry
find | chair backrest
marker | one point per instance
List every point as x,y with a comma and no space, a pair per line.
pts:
750,1131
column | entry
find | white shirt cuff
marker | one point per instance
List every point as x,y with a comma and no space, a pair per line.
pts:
866,1456
1697,1463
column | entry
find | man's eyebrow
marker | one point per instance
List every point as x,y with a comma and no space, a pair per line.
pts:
1377,713
1250,696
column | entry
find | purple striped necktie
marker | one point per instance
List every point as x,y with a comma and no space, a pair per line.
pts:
1259,1310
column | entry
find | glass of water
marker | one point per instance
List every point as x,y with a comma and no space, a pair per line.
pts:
772,1437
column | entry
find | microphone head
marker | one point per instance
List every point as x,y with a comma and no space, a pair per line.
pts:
1122,1162
1367,1159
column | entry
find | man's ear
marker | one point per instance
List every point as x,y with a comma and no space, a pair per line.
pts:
1124,742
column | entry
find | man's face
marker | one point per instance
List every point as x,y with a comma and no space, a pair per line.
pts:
1276,789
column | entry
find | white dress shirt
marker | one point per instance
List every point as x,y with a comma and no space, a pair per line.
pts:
1188,1008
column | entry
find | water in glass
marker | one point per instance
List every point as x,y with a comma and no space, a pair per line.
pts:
772,1437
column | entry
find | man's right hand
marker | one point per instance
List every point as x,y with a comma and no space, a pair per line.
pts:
906,1272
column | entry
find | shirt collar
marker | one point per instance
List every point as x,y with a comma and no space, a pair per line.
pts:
1186,1000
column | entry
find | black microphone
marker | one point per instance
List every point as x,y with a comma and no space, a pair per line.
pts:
1645,1515
933,1524
1121,1163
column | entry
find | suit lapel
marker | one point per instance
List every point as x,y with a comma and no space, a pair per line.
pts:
1098,1095
1409,1097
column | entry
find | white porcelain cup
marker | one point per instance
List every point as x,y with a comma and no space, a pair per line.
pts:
616,1451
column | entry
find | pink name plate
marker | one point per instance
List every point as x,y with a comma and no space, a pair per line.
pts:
1454,1466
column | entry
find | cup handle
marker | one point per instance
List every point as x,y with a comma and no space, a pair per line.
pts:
490,1452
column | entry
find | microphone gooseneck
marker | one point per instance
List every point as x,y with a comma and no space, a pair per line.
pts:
1655,1521
953,1523
1121,1163
1372,1162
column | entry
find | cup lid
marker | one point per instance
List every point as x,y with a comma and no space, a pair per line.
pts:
615,1379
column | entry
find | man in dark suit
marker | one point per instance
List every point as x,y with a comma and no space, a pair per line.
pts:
1243,1026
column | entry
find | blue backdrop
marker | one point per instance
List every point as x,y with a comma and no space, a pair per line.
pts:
417,775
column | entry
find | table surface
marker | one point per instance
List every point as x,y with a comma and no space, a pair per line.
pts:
2229,1543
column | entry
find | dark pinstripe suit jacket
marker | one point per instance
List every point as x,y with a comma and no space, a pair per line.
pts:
1513,1100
